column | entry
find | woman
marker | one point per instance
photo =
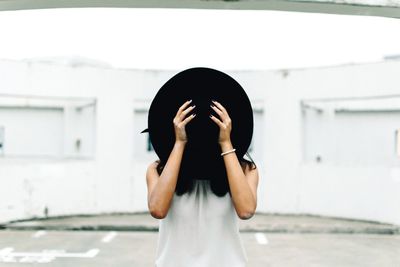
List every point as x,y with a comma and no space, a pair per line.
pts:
201,229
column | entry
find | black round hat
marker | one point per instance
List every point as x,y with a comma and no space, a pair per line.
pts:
202,85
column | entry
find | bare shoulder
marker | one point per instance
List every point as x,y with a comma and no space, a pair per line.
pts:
151,172
151,177
243,165
247,167
153,165
251,172
252,176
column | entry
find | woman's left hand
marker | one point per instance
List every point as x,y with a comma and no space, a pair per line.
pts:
225,125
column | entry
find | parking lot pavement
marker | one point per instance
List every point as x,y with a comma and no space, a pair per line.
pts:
137,249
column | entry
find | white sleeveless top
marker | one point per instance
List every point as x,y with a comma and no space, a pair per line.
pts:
200,230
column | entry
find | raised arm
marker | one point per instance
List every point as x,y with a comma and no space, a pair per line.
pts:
161,188
243,183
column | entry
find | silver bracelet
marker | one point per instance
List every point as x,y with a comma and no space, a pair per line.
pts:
226,152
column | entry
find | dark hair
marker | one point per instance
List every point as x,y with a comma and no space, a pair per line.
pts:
219,186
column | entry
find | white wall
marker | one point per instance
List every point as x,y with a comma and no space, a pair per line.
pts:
79,131
114,181
294,186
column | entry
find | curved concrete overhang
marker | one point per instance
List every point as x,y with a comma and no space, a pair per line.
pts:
382,8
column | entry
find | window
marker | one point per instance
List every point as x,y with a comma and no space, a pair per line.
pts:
351,131
33,126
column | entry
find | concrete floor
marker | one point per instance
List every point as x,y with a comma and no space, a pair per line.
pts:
137,249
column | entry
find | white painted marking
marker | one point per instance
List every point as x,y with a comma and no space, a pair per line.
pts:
6,251
7,259
110,236
4,255
7,255
261,238
39,234
42,259
92,253
89,254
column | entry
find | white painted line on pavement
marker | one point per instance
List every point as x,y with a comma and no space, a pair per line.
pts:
39,234
261,238
7,255
6,251
92,253
110,236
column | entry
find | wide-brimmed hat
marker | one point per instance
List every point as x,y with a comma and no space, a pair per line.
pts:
202,85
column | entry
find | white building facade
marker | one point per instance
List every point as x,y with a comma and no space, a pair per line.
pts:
326,140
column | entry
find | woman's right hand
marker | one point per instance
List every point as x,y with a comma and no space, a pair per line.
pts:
180,121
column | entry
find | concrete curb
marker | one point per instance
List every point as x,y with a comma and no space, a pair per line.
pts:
143,228
267,223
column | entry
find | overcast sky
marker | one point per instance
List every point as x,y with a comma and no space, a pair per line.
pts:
180,38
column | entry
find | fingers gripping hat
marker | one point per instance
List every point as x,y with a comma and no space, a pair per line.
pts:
202,85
